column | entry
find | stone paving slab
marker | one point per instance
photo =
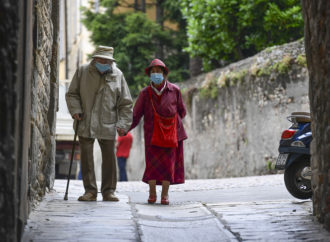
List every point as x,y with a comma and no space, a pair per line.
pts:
190,222
58,220
184,212
286,220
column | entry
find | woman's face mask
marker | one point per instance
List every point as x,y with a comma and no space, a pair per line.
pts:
156,78
102,67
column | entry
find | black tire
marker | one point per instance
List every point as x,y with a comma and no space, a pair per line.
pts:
298,186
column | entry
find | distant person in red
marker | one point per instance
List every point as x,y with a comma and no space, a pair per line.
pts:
124,144
161,105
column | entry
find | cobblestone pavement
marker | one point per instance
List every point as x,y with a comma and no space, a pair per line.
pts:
269,219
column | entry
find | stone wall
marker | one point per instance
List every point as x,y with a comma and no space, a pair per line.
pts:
8,161
236,115
44,104
28,102
317,39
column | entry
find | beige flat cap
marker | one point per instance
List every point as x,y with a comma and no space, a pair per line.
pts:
104,52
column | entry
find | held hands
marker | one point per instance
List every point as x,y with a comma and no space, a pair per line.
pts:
77,116
121,132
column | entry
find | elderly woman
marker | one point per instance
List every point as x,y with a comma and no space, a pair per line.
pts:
162,107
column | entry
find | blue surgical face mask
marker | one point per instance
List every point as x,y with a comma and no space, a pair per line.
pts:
102,67
156,78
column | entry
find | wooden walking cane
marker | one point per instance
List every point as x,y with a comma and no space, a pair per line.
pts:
72,154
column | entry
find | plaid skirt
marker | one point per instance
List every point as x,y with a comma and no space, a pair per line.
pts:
164,164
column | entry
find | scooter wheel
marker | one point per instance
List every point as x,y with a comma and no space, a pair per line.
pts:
297,185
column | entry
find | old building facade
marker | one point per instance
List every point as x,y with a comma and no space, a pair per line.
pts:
74,48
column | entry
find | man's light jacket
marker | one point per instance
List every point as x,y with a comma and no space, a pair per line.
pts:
104,100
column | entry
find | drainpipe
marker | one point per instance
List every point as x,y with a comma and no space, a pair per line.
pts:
66,40
160,21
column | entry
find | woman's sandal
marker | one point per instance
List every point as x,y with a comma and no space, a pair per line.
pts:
165,201
152,199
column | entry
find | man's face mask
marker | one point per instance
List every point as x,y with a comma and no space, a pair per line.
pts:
102,67
156,78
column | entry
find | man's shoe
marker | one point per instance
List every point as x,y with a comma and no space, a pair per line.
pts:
87,197
110,197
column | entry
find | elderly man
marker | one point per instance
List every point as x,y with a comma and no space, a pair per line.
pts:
99,98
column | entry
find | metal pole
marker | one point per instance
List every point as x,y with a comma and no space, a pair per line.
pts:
66,22
72,154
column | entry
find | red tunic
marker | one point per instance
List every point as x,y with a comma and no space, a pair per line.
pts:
162,163
124,144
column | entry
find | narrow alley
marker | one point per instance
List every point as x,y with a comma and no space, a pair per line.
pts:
230,209
231,78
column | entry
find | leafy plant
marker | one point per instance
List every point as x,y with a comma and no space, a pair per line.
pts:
135,39
222,31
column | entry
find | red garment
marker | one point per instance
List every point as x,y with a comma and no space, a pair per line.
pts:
124,144
170,103
164,130
162,163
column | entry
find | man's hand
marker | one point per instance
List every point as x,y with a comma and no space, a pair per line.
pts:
77,116
121,132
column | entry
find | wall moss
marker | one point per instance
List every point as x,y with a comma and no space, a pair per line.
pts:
230,77
301,60
284,65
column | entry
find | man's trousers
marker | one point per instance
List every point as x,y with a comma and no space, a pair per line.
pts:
109,169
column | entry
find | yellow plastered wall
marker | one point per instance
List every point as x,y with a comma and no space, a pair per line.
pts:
150,11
